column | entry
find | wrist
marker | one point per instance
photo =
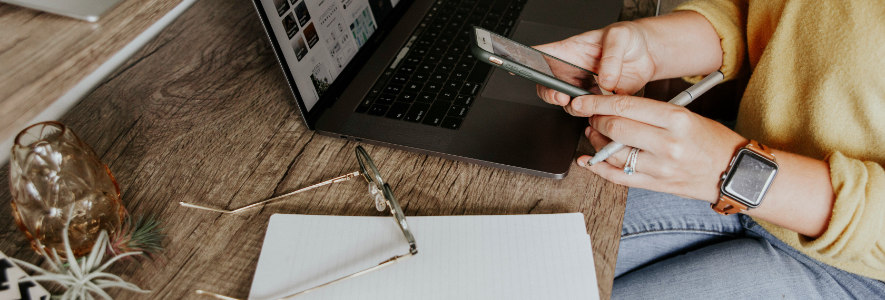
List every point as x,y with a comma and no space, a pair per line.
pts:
683,43
722,156
645,29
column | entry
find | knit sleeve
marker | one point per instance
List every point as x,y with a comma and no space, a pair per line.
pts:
853,240
855,233
729,19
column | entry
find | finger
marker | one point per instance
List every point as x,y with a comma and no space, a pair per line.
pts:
614,47
581,50
598,141
619,159
552,96
616,175
630,132
652,112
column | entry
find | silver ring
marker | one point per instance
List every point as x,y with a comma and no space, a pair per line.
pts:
630,166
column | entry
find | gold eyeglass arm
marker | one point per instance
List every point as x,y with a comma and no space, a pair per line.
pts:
383,264
341,178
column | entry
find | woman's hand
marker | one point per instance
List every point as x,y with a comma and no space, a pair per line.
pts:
680,153
618,53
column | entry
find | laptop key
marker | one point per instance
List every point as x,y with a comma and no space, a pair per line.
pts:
432,87
469,88
364,105
457,111
420,77
399,78
407,68
374,92
412,87
425,67
432,58
407,97
436,113
444,66
446,95
378,109
386,99
463,100
417,112
451,122
458,76
426,97
393,89
398,110
438,77
454,83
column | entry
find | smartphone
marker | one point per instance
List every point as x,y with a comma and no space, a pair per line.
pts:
534,65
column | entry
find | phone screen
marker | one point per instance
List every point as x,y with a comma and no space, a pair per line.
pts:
544,63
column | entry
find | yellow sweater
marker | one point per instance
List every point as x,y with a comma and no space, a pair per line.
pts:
817,88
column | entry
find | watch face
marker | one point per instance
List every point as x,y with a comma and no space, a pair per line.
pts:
750,178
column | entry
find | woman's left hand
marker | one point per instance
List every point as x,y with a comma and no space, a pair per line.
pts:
680,153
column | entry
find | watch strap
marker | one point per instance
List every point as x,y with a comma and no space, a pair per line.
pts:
760,149
726,206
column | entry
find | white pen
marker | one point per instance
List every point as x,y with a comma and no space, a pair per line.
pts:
683,99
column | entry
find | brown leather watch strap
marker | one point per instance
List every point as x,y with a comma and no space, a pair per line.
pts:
727,206
760,149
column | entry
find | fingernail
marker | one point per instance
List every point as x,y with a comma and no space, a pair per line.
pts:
582,163
576,105
587,163
587,131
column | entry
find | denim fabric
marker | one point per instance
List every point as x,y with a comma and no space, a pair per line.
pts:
677,248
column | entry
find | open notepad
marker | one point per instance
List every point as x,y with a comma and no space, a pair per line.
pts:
459,257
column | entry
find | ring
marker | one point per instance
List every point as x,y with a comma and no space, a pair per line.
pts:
630,166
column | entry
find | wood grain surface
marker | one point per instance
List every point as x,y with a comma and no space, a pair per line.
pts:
42,55
203,114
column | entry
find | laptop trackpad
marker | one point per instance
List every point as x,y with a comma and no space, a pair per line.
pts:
503,86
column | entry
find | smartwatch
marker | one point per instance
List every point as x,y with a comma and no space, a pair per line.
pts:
744,184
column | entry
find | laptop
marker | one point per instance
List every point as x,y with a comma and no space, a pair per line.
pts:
400,73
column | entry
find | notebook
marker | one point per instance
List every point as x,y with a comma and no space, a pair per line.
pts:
459,257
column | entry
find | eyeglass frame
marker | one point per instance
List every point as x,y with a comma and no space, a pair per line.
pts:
376,184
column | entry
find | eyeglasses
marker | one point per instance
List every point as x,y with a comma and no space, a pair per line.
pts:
378,190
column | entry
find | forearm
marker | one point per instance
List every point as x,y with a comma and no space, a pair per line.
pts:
683,43
800,198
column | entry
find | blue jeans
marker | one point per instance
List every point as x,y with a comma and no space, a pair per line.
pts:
677,248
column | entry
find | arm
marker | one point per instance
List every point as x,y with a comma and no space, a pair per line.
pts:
684,154
801,197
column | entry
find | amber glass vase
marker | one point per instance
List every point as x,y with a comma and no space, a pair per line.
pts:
56,181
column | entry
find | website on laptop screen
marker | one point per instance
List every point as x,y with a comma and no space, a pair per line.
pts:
319,37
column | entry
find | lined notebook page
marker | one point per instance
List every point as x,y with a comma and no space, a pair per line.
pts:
459,257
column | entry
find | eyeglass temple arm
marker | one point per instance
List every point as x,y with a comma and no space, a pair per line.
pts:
341,178
383,264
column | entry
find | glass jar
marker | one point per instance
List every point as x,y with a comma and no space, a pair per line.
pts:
56,180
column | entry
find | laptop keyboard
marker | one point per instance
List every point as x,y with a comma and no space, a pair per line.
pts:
435,79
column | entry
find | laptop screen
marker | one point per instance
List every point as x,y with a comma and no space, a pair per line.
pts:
318,38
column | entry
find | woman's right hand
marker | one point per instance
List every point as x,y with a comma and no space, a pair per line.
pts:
619,53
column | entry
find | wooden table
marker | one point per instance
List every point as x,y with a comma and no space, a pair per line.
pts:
43,56
203,114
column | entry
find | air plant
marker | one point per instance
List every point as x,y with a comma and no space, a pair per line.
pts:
84,277
145,235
